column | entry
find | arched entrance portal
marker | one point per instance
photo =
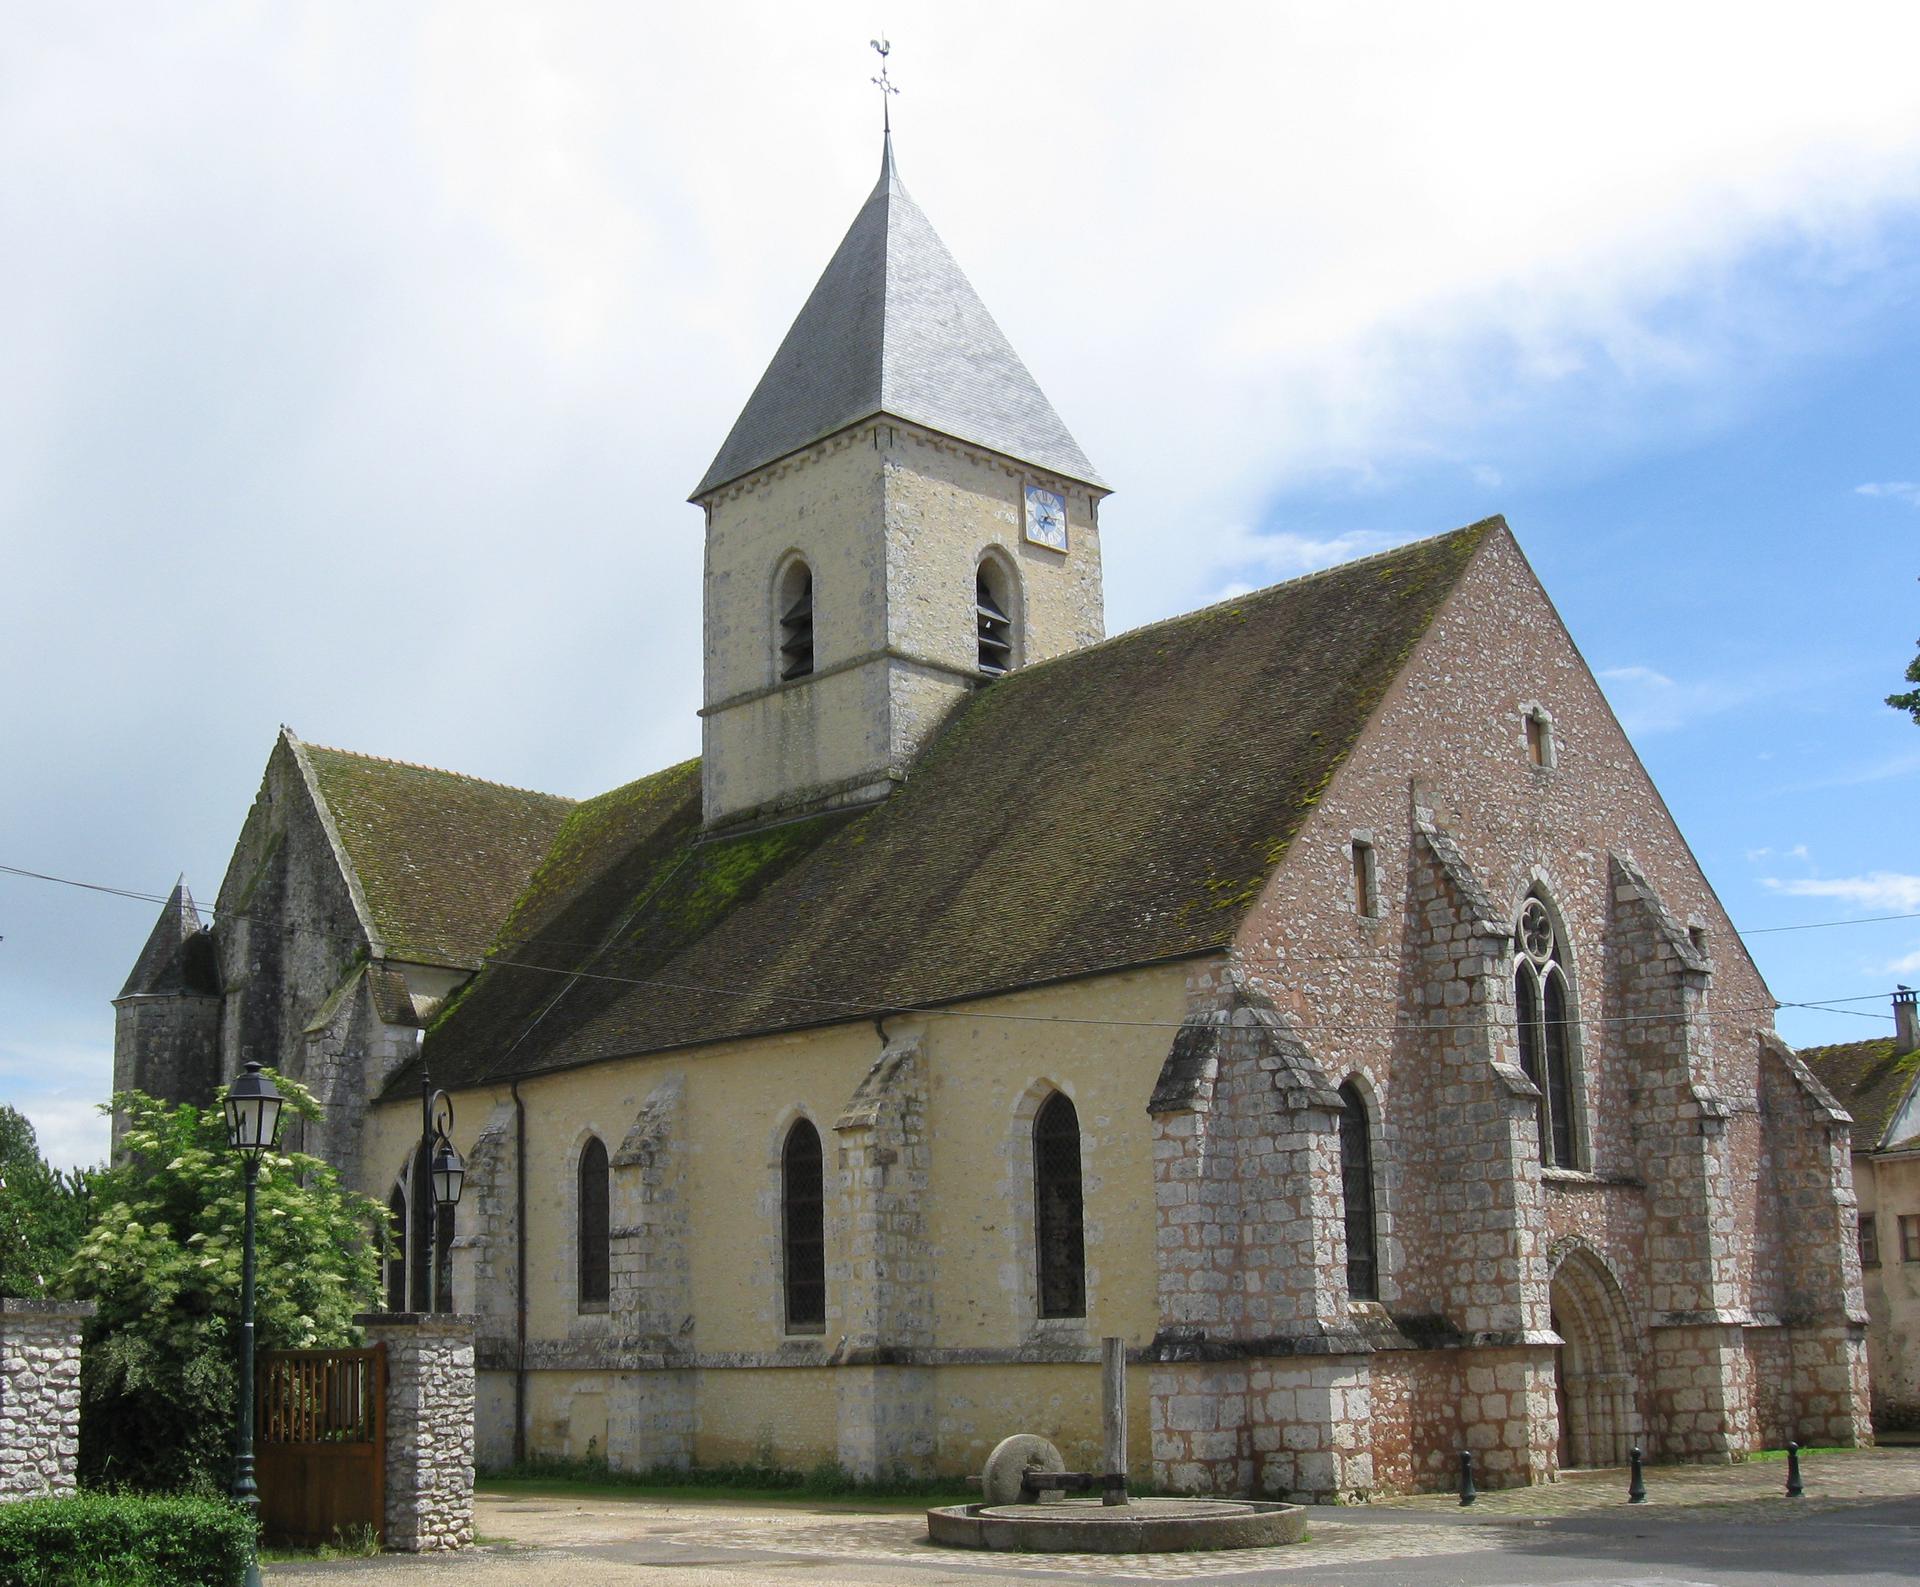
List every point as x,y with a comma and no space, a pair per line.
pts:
1593,1378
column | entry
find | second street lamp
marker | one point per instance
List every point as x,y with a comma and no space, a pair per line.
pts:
253,1120
446,1174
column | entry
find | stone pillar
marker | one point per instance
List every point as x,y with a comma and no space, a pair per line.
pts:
39,1395
885,1410
429,1426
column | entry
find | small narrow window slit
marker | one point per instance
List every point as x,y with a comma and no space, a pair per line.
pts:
1539,737
1366,880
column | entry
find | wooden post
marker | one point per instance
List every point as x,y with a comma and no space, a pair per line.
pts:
1113,1417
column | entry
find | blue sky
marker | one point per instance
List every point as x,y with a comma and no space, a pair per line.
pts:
360,359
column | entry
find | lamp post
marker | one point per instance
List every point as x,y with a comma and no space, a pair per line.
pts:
446,1174
253,1120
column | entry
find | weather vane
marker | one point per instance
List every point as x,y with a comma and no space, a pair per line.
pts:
883,49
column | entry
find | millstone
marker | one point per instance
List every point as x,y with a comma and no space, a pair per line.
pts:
1012,1459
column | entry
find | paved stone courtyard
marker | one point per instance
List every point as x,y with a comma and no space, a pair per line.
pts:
536,1540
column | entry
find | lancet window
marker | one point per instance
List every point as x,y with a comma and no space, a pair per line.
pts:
803,1236
1356,1185
592,1230
1059,1228
1544,1016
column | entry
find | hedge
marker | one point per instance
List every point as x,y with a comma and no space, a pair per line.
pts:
124,1540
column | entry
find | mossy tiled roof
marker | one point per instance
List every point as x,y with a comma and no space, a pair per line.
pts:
440,858
1869,1079
1117,806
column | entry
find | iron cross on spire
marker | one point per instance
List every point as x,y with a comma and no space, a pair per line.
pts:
883,49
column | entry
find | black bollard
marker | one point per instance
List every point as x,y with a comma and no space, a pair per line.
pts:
1794,1487
1637,1485
1467,1494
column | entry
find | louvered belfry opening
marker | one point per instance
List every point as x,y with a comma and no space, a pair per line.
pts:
796,623
803,1235
1059,1233
994,624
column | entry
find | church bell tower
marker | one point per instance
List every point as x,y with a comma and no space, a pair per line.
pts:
897,518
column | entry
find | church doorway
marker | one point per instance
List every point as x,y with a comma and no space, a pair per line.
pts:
1593,1376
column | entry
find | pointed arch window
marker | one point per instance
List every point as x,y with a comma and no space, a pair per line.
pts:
397,1249
1058,1212
803,1233
1356,1185
1543,1016
795,605
993,620
591,1236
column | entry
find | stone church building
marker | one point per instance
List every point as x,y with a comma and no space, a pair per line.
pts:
1312,990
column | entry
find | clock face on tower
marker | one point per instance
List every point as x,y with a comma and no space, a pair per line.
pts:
1046,518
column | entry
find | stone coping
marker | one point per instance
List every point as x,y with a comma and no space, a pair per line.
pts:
75,1310
445,1320
1141,1526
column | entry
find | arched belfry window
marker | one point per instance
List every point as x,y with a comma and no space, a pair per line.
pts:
593,1227
1356,1186
803,1233
993,619
1544,1014
1059,1230
397,1251
794,602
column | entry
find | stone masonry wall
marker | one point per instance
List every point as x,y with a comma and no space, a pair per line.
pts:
430,1406
39,1396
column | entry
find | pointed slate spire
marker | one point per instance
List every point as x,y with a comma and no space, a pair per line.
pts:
893,326
178,956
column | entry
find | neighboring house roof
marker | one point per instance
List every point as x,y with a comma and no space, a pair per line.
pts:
1116,806
893,326
438,858
1871,1079
178,958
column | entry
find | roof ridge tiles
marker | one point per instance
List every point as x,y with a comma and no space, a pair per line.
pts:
444,771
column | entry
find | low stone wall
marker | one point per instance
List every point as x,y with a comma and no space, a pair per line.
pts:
430,1397
39,1395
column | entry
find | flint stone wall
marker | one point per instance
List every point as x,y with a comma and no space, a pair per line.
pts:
39,1396
430,1395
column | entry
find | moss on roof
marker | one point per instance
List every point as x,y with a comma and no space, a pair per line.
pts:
1119,805
1869,1079
440,858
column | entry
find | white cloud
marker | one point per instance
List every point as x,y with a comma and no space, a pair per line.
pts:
1485,476
1899,489
72,1132
1649,701
1878,891
1906,964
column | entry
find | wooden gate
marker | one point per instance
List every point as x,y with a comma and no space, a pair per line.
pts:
320,1443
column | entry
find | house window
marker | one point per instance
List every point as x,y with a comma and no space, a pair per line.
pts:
1539,737
592,1221
1869,1241
1543,1016
803,1234
1059,1232
397,1249
1366,880
795,604
993,621
1910,1237
1356,1185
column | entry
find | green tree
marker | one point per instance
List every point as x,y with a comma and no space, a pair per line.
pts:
1909,701
162,1263
43,1210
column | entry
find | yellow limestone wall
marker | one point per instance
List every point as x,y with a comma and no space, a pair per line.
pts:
893,521
995,1368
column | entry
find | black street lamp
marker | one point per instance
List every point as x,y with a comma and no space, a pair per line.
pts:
253,1119
446,1174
